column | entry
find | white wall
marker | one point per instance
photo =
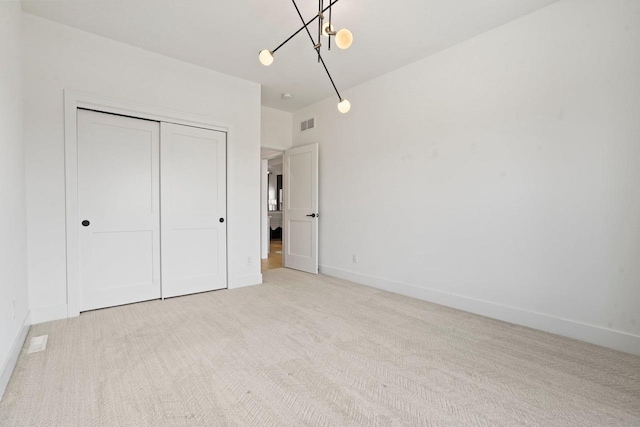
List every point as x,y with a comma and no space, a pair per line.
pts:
499,176
57,57
13,232
275,131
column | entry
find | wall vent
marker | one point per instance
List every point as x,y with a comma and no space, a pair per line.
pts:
307,124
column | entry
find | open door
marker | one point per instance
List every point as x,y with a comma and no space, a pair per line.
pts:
301,208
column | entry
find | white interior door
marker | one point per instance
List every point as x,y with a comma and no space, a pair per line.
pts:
194,208
118,201
300,249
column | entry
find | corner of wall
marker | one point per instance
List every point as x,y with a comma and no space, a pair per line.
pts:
9,365
243,281
565,327
48,314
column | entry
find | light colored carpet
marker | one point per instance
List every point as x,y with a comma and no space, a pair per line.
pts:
306,350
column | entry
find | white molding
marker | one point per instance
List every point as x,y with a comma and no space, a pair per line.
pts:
264,213
242,281
47,314
14,353
74,100
617,340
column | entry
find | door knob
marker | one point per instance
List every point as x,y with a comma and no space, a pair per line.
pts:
85,223
221,219
312,215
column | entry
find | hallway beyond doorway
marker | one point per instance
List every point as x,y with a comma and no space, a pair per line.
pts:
275,256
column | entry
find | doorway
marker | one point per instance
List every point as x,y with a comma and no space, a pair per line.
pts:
290,208
273,187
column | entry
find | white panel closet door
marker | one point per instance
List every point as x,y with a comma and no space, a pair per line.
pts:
193,197
118,200
301,208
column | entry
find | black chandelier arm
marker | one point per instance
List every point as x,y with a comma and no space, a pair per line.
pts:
318,49
305,25
329,28
319,27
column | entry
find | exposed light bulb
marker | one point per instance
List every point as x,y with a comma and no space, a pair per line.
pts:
325,27
344,106
344,38
266,57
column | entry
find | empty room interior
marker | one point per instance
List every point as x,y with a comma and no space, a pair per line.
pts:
320,213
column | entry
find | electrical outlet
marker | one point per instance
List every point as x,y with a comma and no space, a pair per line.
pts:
354,258
13,309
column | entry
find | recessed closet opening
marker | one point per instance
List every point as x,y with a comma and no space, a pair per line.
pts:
146,210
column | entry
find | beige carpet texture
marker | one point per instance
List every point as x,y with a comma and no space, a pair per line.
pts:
304,350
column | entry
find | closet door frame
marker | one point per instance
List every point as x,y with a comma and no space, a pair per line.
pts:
76,100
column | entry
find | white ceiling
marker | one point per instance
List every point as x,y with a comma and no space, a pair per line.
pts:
226,35
268,153
276,161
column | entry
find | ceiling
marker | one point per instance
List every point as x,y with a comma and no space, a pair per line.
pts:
226,36
268,153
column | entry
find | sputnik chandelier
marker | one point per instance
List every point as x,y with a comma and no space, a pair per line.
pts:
343,40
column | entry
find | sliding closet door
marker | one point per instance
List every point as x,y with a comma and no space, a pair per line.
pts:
119,208
193,205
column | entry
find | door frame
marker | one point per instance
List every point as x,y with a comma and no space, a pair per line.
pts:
74,100
265,227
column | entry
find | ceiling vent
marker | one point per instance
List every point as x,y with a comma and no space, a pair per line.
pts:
307,124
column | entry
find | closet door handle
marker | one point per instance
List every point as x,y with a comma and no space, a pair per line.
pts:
85,223
221,219
312,215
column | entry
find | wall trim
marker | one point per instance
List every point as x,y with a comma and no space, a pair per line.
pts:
242,281
47,314
617,340
264,213
74,100
14,353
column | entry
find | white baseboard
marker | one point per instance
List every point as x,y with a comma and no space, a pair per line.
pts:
47,314
12,358
242,281
617,340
